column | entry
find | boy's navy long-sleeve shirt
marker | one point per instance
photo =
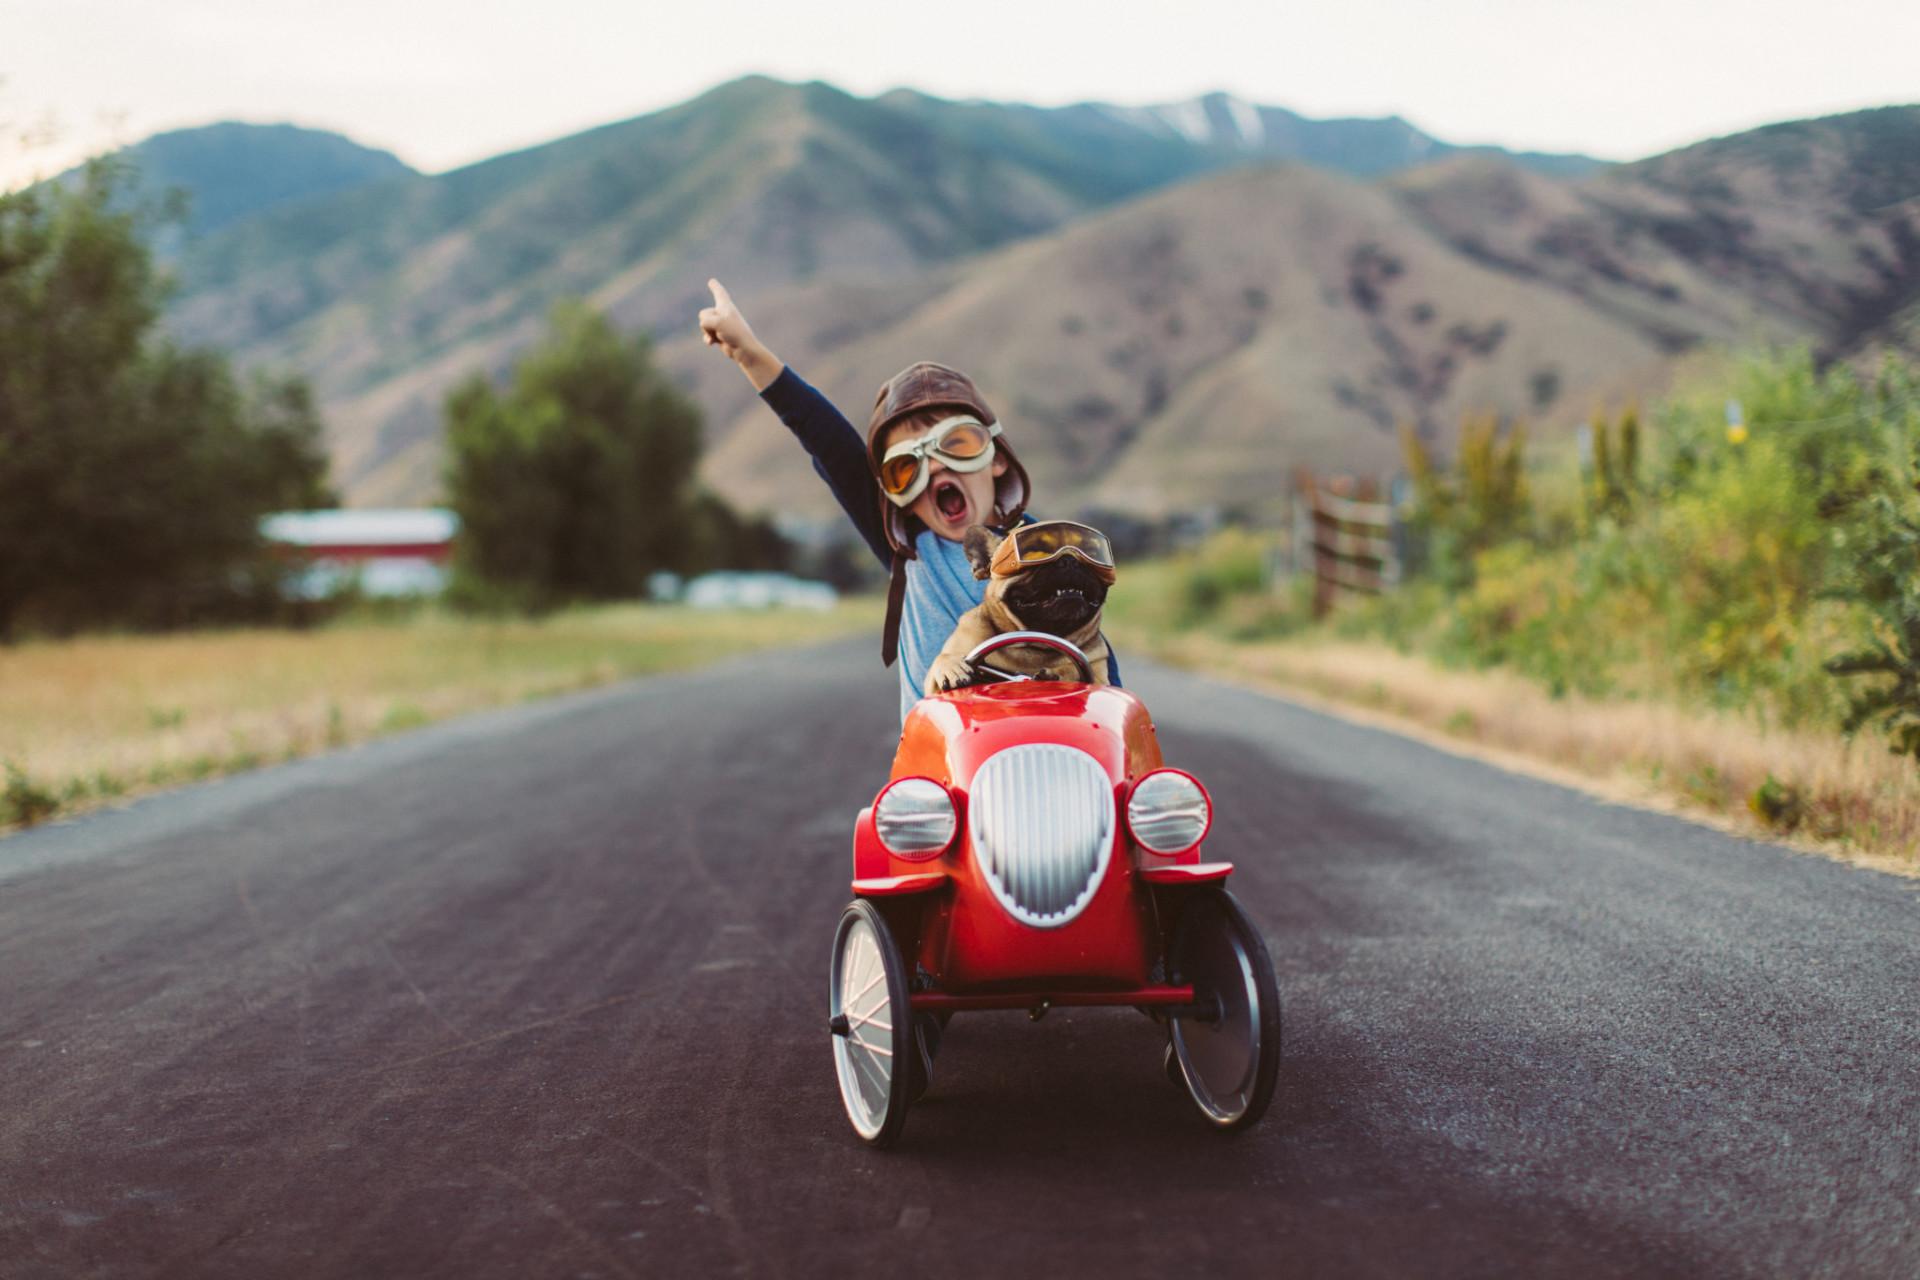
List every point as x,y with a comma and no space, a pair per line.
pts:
838,453
940,581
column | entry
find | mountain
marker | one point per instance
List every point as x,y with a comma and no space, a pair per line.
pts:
388,293
1194,345
1198,344
230,171
1171,305
1808,230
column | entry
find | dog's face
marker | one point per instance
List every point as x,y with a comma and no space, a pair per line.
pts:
1059,597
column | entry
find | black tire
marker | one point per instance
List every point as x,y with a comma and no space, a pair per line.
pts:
1230,1063
872,1058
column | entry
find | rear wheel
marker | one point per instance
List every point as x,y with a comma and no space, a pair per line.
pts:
870,1017
1229,1058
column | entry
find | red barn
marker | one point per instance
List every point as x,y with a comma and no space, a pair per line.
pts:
387,553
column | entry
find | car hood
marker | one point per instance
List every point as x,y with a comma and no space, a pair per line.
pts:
948,737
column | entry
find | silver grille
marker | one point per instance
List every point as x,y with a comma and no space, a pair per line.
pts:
1041,817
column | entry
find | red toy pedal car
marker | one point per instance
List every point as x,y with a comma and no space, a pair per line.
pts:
1030,850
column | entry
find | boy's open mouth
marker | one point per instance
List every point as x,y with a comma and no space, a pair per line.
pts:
949,499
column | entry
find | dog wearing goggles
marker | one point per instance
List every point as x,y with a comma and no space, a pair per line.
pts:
1053,577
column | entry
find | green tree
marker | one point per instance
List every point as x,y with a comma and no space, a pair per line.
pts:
132,473
576,482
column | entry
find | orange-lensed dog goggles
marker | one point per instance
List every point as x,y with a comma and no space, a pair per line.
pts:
1032,544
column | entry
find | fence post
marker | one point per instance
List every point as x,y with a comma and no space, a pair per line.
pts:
1351,536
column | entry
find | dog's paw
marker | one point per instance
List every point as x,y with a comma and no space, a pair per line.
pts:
948,673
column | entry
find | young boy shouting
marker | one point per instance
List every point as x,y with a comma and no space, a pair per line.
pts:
934,462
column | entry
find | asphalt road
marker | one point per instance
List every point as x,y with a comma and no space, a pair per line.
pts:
541,993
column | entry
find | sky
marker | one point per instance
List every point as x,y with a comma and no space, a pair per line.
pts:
444,83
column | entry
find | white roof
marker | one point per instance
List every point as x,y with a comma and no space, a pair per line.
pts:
425,526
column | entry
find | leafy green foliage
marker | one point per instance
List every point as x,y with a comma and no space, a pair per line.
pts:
1702,569
1881,577
132,473
24,801
1682,565
577,482
1777,804
1614,481
1480,504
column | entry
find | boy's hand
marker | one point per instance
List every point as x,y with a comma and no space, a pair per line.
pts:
722,325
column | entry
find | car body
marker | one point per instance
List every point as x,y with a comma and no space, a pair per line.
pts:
1042,894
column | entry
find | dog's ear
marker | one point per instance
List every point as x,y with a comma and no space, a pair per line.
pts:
980,542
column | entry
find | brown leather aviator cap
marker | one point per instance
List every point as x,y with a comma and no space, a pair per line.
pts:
922,386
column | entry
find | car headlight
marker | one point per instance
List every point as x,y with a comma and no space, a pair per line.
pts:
914,818
1169,812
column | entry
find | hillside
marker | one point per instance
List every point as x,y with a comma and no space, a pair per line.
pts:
1808,229
1195,345
387,294
231,171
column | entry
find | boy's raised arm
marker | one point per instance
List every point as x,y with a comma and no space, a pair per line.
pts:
838,451
722,325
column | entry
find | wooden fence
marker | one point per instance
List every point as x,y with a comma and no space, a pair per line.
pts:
1343,533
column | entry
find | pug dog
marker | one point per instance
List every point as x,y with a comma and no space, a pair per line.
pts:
1062,595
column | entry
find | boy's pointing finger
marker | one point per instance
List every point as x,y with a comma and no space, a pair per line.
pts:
721,298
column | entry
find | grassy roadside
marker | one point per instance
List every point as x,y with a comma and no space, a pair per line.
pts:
89,721
1712,605
1816,791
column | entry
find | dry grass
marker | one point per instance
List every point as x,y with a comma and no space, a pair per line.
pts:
1816,790
86,721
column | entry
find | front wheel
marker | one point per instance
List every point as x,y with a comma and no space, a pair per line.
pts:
871,1021
1228,1058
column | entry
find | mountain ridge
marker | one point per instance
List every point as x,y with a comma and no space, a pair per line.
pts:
231,170
858,231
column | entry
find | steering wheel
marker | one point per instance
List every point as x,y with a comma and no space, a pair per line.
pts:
1046,640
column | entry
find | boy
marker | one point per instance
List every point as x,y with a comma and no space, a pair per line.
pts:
934,462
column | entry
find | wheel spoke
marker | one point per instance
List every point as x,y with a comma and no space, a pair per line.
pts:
875,980
869,1045
880,1078
857,969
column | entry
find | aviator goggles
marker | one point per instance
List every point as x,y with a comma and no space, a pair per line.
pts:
962,442
1032,544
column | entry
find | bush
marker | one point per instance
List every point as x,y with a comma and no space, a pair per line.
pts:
1880,578
25,802
1707,570
1231,564
1479,504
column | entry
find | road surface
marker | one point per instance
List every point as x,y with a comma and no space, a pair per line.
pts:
541,993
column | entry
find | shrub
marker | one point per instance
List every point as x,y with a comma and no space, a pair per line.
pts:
25,801
1881,577
1479,504
1232,563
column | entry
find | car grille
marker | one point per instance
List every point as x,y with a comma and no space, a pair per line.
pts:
1041,817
